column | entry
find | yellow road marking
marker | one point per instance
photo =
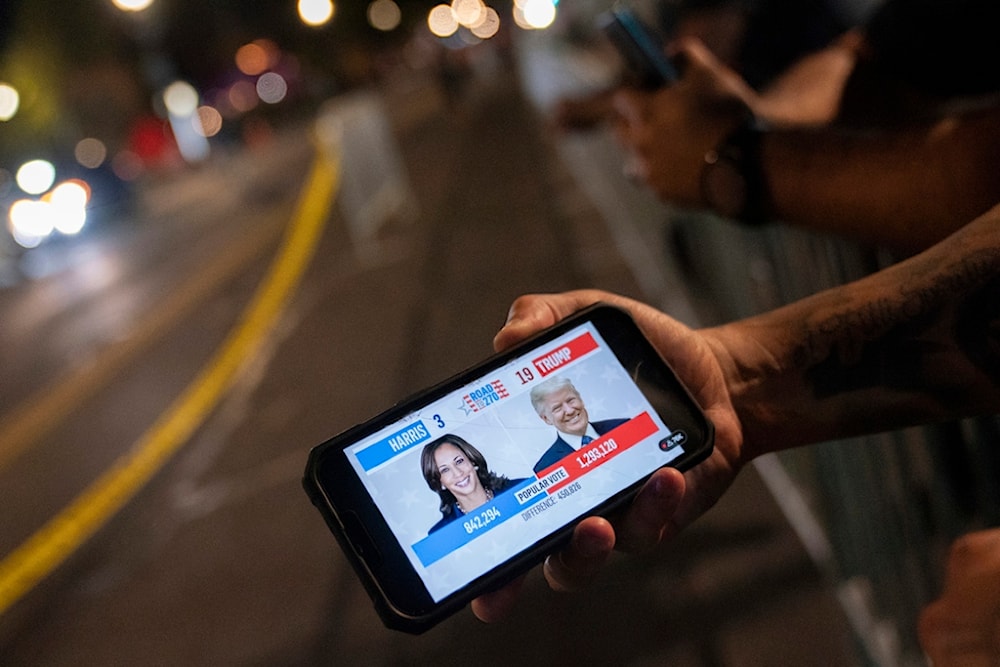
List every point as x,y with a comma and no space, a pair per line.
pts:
41,413
33,560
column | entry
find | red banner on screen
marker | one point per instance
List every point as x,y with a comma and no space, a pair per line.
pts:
565,354
600,451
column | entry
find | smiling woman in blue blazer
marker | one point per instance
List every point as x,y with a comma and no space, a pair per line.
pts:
459,474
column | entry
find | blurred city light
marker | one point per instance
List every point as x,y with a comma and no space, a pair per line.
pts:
271,87
243,96
90,152
209,121
30,222
181,101
63,210
68,206
10,100
441,21
489,26
126,165
534,14
384,15
36,176
132,5
472,20
252,59
467,12
315,12
180,98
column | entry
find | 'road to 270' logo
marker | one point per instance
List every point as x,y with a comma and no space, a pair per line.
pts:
483,397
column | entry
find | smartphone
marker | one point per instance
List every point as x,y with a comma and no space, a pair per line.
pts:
459,489
640,46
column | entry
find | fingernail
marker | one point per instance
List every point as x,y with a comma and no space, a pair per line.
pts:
659,487
590,545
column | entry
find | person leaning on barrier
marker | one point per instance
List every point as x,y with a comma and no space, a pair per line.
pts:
914,343
889,136
458,473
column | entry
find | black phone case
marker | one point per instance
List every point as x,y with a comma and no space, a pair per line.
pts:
357,541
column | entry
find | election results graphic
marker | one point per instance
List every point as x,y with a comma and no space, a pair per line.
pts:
495,415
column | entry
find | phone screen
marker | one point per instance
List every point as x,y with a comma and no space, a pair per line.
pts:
470,478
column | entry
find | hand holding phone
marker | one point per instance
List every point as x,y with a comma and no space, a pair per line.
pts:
463,487
641,48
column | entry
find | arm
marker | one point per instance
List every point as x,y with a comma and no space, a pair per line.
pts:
903,188
914,343
906,188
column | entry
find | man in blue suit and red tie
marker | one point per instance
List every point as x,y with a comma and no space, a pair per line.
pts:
558,403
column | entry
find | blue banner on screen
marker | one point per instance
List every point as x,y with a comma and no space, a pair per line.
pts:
392,445
443,541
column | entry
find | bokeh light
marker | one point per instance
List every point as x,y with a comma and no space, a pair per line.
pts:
467,12
243,96
10,100
252,59
90,152
127,166
489,26
441,21
68,206
534,14
315,12
210,121
30,222
132,5
36,176
180,98
384,15
272,87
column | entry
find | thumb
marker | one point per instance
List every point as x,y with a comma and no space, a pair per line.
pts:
531,313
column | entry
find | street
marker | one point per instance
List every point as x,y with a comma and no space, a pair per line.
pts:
219,558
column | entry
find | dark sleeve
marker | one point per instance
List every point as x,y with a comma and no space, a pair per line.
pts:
940,47
446,518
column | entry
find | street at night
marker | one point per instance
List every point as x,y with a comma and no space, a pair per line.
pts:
221,558
232,235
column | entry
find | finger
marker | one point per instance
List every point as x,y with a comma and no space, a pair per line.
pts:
692,49
948,644
533,312
629,105
496,605
575,566
642,527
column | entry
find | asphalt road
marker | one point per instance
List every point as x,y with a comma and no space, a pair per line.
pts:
220,558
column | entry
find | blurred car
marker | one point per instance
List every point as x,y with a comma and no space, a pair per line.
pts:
44,201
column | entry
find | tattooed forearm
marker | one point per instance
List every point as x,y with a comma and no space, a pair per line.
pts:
909,341
914,343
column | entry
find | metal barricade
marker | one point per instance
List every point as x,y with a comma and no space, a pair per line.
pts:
888,506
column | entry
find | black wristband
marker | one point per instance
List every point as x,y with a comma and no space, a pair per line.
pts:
732,179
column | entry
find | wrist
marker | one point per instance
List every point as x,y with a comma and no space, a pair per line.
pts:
732,180
753,381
